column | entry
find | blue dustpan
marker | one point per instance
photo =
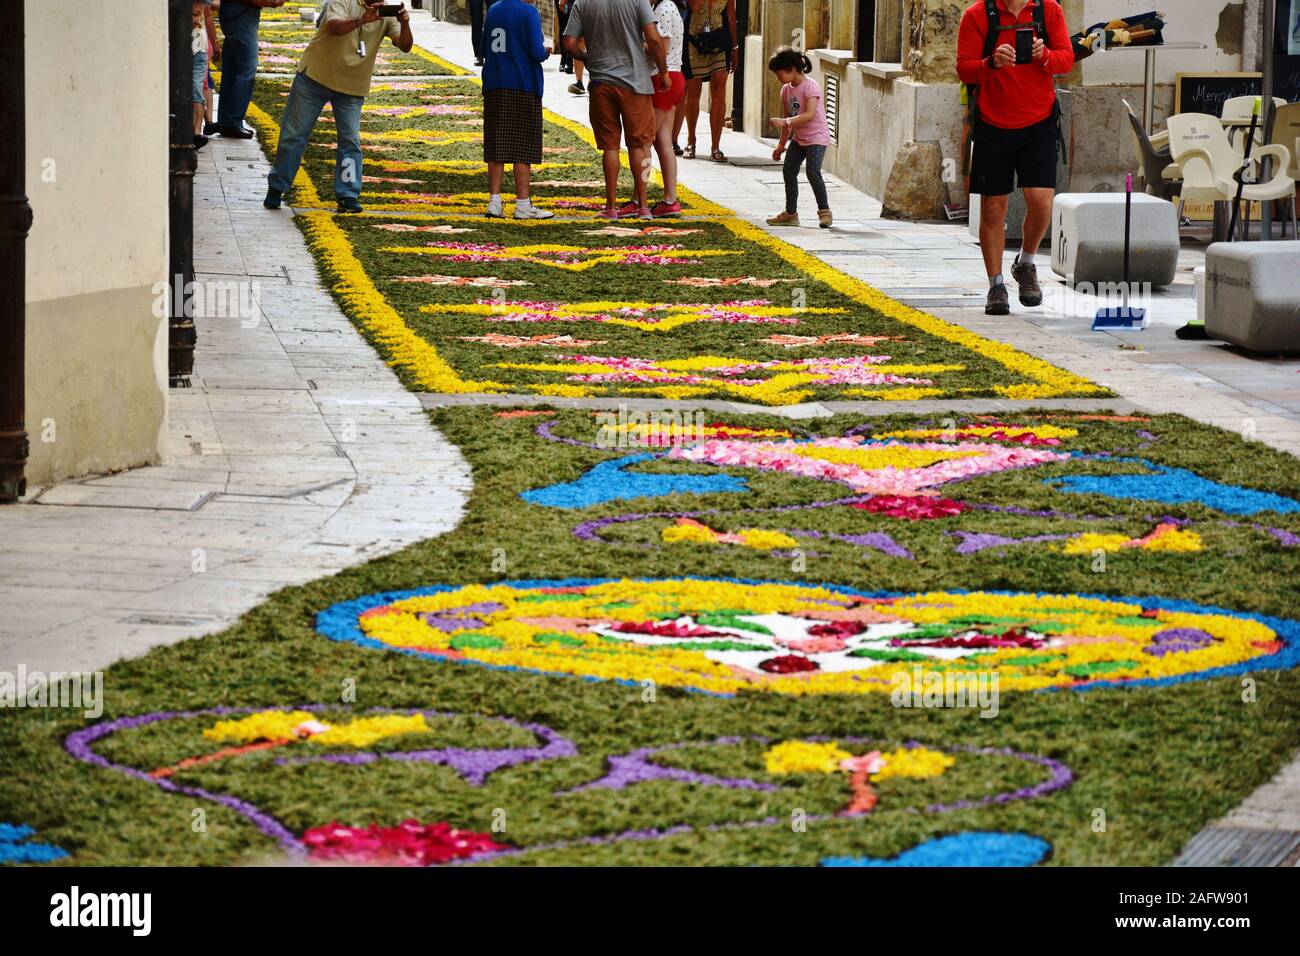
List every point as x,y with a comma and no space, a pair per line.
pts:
1121,319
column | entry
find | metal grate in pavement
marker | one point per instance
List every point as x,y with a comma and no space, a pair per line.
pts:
1234,846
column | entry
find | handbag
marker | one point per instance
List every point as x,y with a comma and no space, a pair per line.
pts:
712,41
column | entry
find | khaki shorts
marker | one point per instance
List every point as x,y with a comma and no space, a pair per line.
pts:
615,110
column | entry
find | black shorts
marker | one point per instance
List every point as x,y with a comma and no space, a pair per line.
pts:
1007,159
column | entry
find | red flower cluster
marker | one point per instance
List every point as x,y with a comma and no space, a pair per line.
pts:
665,629
788,664
837,629
911,508
1016,637
410,843
1025,438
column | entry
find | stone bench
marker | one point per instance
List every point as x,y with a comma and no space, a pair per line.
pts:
1087,237
1252,295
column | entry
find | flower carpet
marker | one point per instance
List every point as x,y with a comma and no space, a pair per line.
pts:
702,306
1041,637
730,693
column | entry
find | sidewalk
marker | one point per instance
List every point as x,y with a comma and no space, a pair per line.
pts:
296,454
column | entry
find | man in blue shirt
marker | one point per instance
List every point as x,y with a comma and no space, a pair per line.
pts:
513,52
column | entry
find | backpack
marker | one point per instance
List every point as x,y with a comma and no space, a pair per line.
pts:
971,90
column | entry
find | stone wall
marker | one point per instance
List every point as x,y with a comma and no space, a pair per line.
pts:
930,33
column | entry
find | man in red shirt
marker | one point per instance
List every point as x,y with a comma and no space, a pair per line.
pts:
1016,134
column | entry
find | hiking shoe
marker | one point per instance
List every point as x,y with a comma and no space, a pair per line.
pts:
494,210
532,212
824,218
628,210
273,199
349,205
661,209
577,89
1026,276
999,300
784,219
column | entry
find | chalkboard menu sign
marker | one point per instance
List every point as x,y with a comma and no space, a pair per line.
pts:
1207,92
1286,51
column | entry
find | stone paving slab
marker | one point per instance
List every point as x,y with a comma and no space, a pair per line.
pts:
258,487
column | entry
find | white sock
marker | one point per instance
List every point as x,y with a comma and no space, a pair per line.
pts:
996,280
494,198
1025,258
523,203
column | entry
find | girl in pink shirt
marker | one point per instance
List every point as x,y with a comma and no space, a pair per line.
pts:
804,128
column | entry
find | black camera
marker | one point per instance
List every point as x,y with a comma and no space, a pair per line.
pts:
389,9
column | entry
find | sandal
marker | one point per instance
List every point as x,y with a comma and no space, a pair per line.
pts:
689,151
677,150
717,156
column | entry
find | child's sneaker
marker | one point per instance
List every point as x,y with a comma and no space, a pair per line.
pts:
661,209
529,211
824,218
494,210
784,219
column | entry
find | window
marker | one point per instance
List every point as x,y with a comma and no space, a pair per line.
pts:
878,31
831,93
865,47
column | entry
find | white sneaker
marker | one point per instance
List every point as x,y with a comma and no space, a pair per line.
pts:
532,212
494,210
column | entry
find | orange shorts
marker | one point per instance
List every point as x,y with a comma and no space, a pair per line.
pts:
615,110
668,99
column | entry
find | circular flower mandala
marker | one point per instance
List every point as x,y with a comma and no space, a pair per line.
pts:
726,636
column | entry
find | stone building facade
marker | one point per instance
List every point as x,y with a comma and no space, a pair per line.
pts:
97,178
887,67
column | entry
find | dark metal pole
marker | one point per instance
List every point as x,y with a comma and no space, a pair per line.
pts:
15,221
738,86
1266,116
180,205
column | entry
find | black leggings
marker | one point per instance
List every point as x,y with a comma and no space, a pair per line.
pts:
562,18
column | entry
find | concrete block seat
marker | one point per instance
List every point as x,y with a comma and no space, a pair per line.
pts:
1088,238
1252,295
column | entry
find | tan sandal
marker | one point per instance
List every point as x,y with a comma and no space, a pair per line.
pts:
718,157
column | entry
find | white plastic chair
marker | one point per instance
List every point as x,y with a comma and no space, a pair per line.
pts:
1286,132
1199,145
1239,108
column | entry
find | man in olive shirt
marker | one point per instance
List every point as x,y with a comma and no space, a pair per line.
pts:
336,68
